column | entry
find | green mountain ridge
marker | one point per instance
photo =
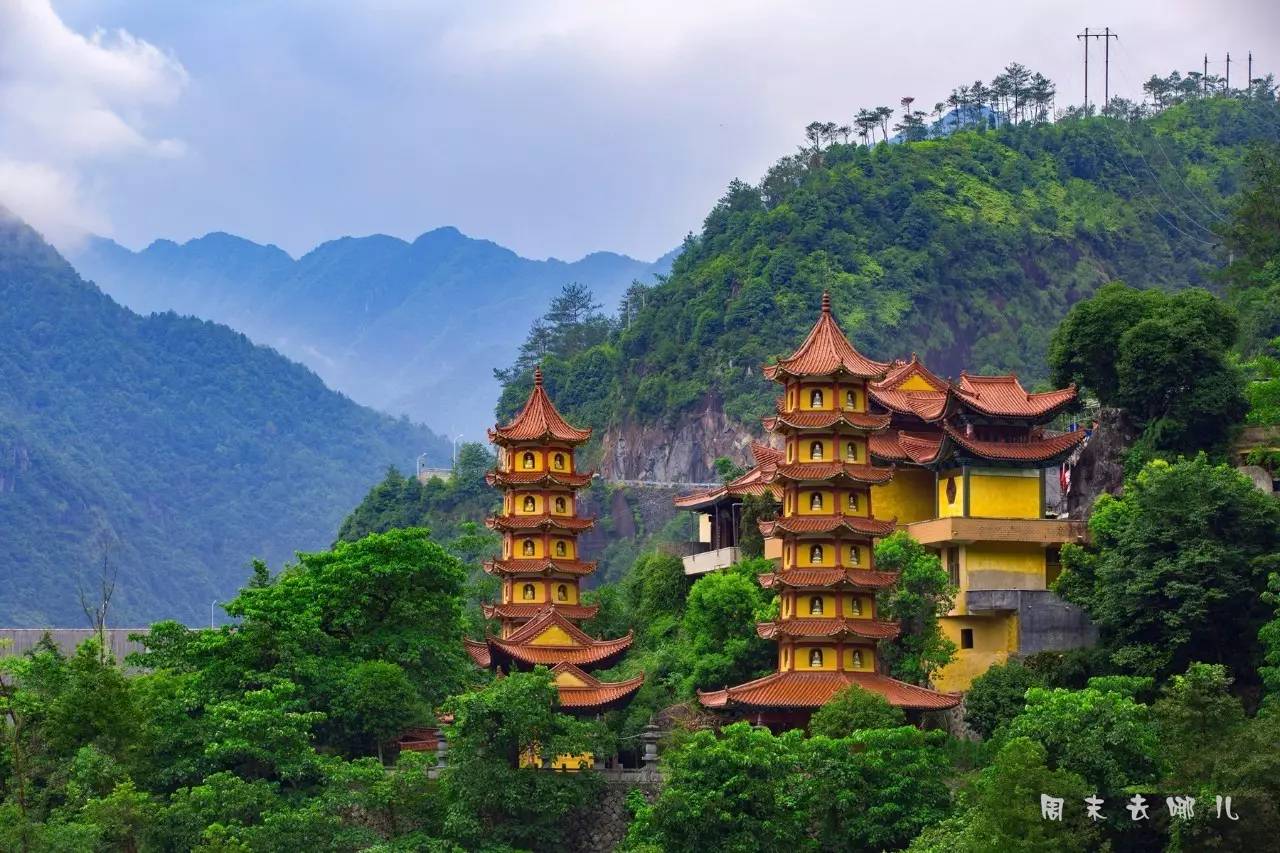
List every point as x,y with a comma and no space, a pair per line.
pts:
967,250
170,449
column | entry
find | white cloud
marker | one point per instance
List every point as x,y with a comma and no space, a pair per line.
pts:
68,101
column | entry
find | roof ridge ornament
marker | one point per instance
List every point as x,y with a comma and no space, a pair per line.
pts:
826,302
537,375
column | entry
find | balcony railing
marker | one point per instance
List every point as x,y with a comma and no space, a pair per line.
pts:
1044,531
710,561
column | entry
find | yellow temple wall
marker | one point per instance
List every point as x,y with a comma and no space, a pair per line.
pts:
1002,565
946,508
995,637
519,504
828,659
804,554
1004,493
863,604
806,496
570,592
804,604
520,588
907,497
868,659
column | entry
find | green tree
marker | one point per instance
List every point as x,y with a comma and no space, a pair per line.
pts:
718,631
1105,738
875,790
854,709
1252,234
739,792
1269,638
1177,568
997,696
492,800
1001,810
922,594
375,701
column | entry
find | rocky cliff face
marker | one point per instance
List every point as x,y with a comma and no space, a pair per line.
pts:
684,452
1100,467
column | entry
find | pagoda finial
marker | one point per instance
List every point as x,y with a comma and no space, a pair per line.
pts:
537,375
826,302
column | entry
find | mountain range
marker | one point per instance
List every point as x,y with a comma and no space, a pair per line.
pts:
163,452
413,328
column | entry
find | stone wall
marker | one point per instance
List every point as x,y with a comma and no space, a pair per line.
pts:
599,827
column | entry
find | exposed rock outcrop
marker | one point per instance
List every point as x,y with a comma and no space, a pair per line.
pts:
1100,467
685,451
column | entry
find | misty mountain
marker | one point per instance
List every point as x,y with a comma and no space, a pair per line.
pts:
411,328
172,450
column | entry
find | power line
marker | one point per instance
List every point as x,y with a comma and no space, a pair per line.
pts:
1106,35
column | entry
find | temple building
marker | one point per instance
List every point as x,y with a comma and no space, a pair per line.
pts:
869,447
540,567
827,629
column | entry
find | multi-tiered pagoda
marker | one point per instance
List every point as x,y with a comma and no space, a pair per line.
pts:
540,566
827,629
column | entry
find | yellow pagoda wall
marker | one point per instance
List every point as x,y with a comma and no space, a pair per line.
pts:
1004,493
950,507
907,497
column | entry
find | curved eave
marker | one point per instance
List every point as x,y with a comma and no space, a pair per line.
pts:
830,628
807,691
817,472
540,567
598,654
1041,451
864,579
478,652
800,525
528,611
516,523
537,478
600,697
825,420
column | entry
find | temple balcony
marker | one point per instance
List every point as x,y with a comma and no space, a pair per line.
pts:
711,560
961,530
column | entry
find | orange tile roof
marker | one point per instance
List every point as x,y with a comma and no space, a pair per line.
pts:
1004,396
901,371
542,521
540,566
829,524
821,471
824,420
871,629
1041,450
825,578
538,421
478,652
754,482
599,653
594,694
517,610
806,690
537,478
826,351
904,446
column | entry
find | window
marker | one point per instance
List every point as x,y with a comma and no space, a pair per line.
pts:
815,450
526,547
562,593
857,658
855,606
815,605
951,490
558,461
560,505
966,638
953,566
855,555
815,659
815,399
1052,565
528,462
815,501
529,503
561,550
851,399
853,501
527,592
851,451
815,554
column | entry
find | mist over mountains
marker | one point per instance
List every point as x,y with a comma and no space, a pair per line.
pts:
411,328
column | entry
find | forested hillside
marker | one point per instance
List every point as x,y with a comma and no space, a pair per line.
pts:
171,450
407,327
966,249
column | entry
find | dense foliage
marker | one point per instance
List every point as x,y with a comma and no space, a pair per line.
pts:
171,449
922,594
966,249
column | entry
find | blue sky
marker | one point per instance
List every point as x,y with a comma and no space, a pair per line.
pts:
555,128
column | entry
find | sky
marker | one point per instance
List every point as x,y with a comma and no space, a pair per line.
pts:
553,128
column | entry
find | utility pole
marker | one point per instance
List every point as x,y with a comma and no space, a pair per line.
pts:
1248,83
1204,80
1228,84
1106,35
